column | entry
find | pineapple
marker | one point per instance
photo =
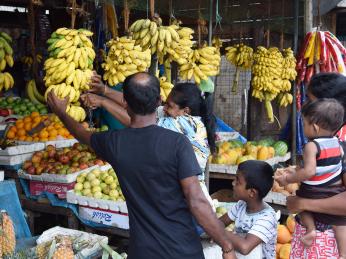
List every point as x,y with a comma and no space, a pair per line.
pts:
42,250
64,248
7,235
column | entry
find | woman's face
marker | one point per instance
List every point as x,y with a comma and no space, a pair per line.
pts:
172,109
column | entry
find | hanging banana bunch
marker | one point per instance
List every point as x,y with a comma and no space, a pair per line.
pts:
124,58
165,88
28,60
241,56
69,66
6,58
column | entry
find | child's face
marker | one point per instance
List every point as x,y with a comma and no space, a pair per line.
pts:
172,109
309,129
239,187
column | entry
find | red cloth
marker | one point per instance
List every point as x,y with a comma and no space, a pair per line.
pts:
324,246
342,133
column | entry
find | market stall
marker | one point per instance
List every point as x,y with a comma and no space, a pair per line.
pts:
62,43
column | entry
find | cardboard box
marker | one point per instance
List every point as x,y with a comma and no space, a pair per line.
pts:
60,189
106,217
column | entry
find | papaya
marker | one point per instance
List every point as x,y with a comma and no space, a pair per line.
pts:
284,235
263,153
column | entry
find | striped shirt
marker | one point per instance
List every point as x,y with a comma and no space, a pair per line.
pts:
328,161
262,224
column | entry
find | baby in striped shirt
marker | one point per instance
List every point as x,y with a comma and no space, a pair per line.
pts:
321,176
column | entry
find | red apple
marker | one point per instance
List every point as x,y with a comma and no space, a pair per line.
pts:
50,148
39,170
75,164
36,158
83,166
31,170
98,162
27,164
64,159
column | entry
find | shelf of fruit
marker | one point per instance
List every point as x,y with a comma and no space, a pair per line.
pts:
233,152
98,189
20,106
60,165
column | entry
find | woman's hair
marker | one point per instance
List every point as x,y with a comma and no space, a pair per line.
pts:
327,113
189,95
329,85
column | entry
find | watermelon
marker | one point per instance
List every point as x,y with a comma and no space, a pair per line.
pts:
280,148
236,143
267,142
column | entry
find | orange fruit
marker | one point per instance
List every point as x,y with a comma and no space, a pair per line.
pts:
11,134
13,128
36,120
284,235
35,115
18,121
36,139
43,139
61,132
28,138
27,126
43,134
53,132
20,124
69,136
27,119
44,117
57,125
21,132
21,138
50,127
51,138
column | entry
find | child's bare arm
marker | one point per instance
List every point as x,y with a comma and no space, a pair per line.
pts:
304,173
244,245
225,219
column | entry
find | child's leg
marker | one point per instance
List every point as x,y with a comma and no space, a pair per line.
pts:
340,236
308,221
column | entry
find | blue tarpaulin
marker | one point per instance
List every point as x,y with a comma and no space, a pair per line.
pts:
9,201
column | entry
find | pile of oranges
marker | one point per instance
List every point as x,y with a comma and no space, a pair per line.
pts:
19,131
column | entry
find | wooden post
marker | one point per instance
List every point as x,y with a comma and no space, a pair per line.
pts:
73,13
154,60
308,16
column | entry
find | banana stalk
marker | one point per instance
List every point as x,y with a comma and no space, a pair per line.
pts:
269,110
236,79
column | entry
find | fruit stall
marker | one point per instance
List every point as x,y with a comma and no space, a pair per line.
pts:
72,199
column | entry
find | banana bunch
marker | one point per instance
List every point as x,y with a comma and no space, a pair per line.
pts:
284,99
6,81
76,112
6,58
240,55
205,62
165,88
28,60
6,51
70,63
124,58
33,93
266,81
217,43
146,34
289,65
181,51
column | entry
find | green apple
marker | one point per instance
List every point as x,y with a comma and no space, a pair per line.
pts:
103,186
113,185
103,176
95,182
91,177
96,172
106,190
109,179
80,179
113,193
90,195
96,189
86,185
105,197
86,192
97,195
78,187
78,193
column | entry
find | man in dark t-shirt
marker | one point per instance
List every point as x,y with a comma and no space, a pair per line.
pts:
157,171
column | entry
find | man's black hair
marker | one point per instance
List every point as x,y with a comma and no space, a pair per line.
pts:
258,175
326,113
142,93
329,85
